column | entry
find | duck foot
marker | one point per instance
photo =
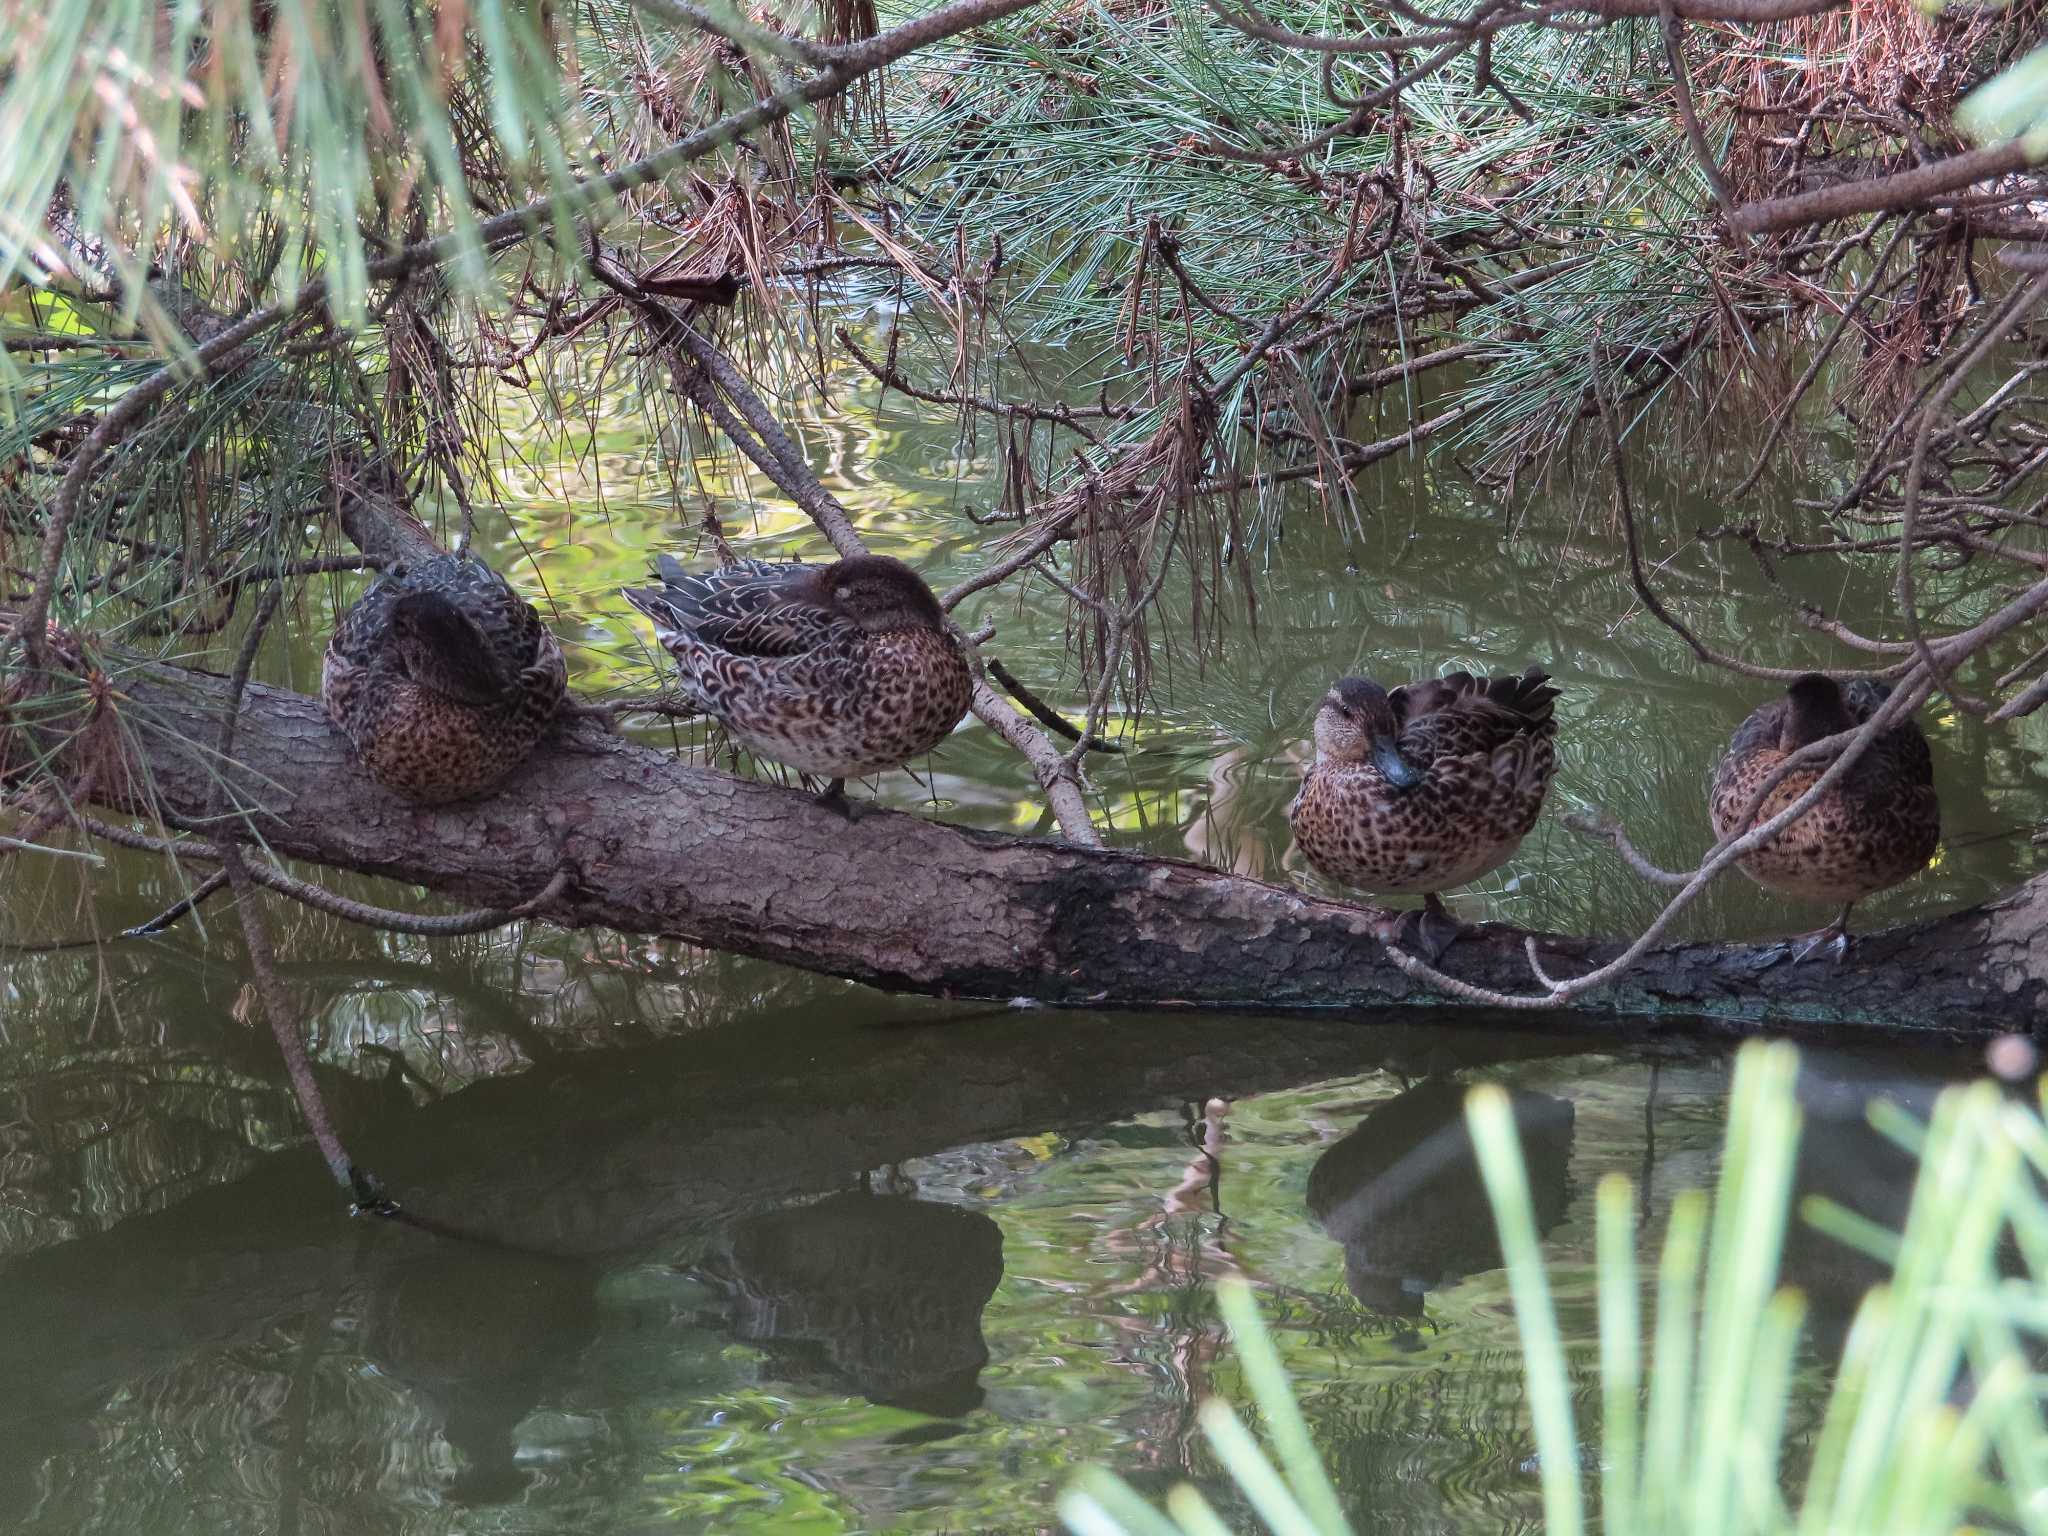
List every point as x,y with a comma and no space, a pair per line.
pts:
834,799
367,1194
1832,941
1430,931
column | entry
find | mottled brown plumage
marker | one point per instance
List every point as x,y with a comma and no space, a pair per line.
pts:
1427,787
839,670
442,678
1876,827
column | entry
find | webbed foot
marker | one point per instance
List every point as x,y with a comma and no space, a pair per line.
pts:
1429,931
1832,941
834,799
367,1194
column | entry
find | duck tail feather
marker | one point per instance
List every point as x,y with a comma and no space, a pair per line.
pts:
655,603
1529,695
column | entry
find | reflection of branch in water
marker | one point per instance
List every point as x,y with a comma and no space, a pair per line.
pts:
1649,1168
1205,1135
1173,1252
1227,831
298,1405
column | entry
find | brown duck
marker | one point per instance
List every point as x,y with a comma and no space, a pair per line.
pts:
442,678
1877,826
840,670
1427,787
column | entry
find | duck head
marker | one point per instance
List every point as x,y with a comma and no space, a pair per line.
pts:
1356,724
880,594
1818,710
439,647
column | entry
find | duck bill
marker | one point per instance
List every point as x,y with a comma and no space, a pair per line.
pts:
1393,767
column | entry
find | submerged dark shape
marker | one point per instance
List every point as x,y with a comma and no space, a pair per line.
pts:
1427,787
483,1332
1403,1195
840,670
1876,827
442,678
881,1293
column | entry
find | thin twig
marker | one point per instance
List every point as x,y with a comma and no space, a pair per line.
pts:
1681,90
1640,580
1994,332
1043,712
1790,406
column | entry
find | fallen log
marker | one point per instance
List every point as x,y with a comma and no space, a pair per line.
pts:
660,846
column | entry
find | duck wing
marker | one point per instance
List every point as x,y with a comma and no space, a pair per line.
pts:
1465,716
759,608
452,655
476,640
1761,732
1899,759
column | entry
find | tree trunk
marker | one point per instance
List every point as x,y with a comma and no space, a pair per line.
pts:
660,846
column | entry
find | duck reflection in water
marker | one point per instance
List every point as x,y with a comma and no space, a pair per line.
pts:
1403,1195
485,1333
878,1294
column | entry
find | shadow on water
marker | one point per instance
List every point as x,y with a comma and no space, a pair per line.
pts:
483,1334
1402,1194
876,1294
667,1285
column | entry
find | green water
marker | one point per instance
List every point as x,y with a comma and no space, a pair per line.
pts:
700,1244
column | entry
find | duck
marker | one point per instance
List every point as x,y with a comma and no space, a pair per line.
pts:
840,670
1426,787
441,678
1877,827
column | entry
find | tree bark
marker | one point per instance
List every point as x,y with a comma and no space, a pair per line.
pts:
661,846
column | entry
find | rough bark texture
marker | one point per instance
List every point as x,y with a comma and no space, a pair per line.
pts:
665,847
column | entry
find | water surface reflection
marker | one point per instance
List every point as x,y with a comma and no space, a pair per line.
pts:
867,1266
1402,1193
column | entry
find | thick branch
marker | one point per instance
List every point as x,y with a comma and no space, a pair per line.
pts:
669,848
1878,194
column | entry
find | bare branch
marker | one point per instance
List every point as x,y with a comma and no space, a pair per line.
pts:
1878,194
2016,305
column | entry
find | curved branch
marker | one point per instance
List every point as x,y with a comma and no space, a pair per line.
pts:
2021,300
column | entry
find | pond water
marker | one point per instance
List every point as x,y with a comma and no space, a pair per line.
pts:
695,1243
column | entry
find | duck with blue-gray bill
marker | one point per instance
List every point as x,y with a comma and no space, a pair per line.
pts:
1425,787
839,671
